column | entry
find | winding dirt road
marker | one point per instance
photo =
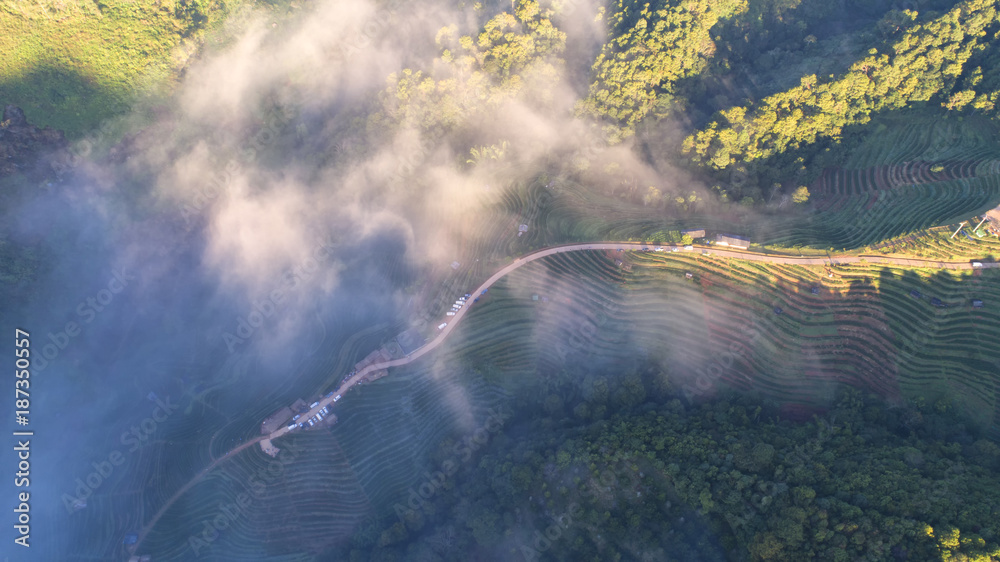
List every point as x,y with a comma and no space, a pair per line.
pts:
197,477
545,252
715,251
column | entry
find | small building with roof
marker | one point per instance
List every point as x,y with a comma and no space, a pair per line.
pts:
409,341
733,241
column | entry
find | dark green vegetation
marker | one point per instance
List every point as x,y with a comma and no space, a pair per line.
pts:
925,61
887,115
475,73
650,49
721,480
882,478
910,173
791,84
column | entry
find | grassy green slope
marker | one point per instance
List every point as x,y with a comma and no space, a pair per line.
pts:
71,64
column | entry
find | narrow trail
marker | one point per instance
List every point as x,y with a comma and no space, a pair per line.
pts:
197,478
715,251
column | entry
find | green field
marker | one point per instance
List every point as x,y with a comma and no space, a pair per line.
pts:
74,64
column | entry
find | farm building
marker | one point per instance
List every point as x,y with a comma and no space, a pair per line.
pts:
276,420
977,304
695,233
409,341
380,355
732,240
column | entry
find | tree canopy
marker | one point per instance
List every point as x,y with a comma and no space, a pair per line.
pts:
652,46
630,472
474,73
926,61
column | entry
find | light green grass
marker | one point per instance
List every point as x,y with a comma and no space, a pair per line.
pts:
70,64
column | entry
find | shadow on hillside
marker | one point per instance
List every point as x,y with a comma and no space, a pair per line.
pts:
902,335
769,47
853,221
944,326
61,98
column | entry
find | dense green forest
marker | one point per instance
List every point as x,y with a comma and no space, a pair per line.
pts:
785,82
473,73
649,50
925,61
629,472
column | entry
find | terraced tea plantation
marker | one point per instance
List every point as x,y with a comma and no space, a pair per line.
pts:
790,332
909,176
794,332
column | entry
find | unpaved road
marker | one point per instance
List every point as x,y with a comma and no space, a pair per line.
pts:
714,251
454,320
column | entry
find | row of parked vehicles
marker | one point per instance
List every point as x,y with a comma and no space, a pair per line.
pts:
667,249
455,308
318,417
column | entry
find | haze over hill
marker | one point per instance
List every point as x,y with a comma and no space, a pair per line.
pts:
310,179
